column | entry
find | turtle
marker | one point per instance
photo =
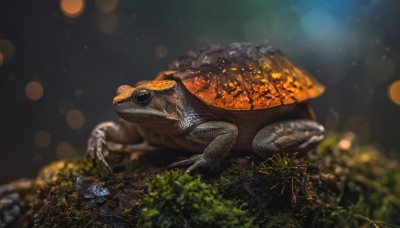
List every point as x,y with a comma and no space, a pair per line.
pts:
222,98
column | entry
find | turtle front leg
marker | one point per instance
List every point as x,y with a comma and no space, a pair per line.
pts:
105,132
219,137
288,137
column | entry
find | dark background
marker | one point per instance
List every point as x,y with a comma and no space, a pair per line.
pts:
350,46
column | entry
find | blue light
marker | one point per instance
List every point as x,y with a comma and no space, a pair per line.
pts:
319,25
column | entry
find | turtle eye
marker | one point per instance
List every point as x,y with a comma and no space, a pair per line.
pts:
142,97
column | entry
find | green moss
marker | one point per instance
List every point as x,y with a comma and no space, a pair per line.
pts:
284,173
57,200
67,169
175,199
171,195
274,191
357,182
280,219
340,183
334,185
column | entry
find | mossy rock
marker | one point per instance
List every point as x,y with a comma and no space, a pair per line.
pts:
177,199
336,185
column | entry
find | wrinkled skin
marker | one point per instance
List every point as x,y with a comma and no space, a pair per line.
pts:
242,96
171,117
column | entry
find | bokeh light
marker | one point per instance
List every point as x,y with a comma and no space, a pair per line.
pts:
369,155
365,157
107,22
106,5
66,105
394,92
359,125
72,8
42,139
346,142
78,92
65,150
34,90
7,50
380,63
320,26
161,51
1,58
75,119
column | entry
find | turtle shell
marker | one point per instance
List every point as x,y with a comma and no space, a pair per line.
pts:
243,76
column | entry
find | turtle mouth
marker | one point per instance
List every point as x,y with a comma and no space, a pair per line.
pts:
135,115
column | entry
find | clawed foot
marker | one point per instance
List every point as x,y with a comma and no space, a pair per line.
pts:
196,161
97,147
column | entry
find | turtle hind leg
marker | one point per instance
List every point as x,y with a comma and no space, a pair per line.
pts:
292,136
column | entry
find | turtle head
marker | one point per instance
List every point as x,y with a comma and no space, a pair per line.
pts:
149,102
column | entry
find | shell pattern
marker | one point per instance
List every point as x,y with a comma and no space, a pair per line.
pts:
243,76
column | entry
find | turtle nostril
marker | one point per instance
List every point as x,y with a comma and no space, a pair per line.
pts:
118,102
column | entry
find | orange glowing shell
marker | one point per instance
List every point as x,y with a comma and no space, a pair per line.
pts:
243,76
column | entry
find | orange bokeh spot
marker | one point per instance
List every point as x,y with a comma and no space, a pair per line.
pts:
66,105
72,8
75,119
161,51
1,58
6,50
65,150
42,139
106,5
394,92
34,90
107,22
